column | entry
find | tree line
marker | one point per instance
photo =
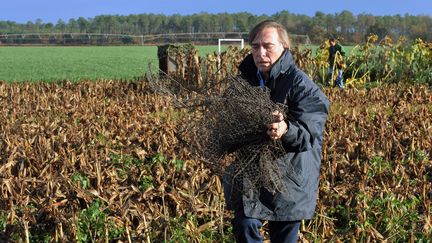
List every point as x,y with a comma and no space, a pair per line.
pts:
345,25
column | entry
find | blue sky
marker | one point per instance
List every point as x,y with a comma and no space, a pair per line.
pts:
22,11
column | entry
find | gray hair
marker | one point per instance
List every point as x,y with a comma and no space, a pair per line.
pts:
283,35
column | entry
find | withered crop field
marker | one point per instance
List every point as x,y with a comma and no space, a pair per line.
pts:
99,161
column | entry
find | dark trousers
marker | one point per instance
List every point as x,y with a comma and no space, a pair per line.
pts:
248,229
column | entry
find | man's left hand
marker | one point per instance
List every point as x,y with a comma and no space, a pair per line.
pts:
278,128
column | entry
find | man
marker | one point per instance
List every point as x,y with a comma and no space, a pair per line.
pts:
336,55
270,64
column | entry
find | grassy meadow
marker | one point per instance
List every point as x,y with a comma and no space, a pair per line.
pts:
53,63
74,63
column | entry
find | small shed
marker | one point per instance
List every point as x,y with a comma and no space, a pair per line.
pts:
169,55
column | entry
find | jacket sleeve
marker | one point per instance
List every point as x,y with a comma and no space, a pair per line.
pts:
308,110
341,50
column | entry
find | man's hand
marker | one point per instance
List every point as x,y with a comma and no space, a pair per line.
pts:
278,128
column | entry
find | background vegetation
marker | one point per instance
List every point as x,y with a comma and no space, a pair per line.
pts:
352,29
375,62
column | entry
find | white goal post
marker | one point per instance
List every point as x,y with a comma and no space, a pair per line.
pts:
230,40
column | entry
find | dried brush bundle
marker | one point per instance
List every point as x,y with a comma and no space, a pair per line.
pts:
226,129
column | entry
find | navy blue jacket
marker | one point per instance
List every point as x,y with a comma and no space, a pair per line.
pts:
308,107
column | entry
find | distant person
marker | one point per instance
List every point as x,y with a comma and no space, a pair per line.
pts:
301,133
335,59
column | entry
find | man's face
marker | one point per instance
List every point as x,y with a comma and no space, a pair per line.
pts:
332,42
266,49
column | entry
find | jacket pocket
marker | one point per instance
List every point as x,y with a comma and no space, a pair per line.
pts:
290,172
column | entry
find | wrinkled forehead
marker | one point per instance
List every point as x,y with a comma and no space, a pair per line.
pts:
267,35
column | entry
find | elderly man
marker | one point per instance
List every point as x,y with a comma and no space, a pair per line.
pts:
271,65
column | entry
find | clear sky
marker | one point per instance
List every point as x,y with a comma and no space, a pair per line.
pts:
22,11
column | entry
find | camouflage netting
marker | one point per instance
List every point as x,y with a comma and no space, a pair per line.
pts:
226,129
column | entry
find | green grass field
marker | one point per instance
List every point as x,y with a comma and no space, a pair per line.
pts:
73,63
53,63
56,63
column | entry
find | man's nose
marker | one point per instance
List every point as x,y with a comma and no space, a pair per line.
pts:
262,51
